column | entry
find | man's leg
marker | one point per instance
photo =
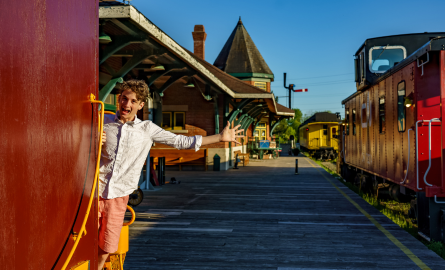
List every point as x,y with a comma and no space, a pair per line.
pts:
101,258
112,213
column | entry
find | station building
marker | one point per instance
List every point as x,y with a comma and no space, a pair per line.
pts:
189,95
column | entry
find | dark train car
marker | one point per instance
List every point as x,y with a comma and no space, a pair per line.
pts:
393,138
48,133
319,135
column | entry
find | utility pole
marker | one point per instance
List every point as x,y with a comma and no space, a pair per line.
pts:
291,89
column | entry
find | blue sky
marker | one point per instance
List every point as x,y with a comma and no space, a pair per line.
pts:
312,41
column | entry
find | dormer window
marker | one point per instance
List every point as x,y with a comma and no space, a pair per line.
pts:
382,58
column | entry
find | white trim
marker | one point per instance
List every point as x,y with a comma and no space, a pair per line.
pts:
383,47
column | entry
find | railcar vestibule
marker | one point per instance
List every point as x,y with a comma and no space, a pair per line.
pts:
378,55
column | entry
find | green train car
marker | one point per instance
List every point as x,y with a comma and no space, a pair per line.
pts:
319,135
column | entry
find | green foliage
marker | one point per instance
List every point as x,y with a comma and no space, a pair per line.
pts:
286,127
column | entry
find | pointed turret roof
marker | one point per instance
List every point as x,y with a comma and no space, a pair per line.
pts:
240,56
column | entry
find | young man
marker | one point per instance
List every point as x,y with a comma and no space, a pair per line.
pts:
127,143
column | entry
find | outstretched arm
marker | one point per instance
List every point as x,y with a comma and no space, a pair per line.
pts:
227,135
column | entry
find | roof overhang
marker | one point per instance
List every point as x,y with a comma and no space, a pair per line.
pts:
130,12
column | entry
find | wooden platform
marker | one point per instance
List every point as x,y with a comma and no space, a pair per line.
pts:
265,217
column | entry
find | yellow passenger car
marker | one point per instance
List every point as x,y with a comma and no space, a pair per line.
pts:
319,135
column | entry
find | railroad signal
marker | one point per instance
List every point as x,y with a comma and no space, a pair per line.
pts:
291,89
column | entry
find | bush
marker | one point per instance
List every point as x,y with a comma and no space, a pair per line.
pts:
296,151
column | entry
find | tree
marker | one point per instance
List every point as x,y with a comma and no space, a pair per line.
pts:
286,127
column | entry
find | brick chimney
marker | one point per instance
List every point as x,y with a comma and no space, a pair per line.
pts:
199,38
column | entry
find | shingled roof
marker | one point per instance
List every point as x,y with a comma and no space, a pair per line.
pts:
240,55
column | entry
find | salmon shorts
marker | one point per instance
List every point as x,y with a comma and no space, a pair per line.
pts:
111,218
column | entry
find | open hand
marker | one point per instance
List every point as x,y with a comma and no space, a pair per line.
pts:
229,135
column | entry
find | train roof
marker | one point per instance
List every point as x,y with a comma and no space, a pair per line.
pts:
434,44
322,117
411,41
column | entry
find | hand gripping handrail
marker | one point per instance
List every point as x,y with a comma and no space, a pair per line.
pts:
407,164
82,231
429,148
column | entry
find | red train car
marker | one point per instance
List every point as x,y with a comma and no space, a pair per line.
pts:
48,131
393,137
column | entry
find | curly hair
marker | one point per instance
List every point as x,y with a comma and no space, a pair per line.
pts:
137,86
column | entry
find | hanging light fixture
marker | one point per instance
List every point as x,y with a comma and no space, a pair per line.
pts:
189,83
157,66
408,102
103,37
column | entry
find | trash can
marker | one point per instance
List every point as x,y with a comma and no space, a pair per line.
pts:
216,162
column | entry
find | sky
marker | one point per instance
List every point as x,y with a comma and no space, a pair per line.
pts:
312,41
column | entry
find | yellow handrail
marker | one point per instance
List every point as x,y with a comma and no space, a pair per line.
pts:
82,231
133,216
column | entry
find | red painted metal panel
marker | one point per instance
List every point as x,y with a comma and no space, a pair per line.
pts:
48,55
428,106
442,96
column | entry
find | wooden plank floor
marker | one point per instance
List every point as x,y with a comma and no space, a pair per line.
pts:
264,217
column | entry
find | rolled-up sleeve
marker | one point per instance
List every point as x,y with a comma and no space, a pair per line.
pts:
160,135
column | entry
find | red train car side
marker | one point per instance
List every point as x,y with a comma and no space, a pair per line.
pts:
392,140
48,131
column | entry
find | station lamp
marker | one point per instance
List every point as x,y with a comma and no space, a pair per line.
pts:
103,37
157,66
189,83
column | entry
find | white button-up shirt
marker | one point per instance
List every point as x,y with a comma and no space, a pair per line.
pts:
126,149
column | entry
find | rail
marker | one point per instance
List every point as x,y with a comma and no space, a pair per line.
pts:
436,201
417,154
83,231
429,148
133,216
407,165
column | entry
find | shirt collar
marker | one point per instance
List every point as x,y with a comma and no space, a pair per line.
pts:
135,121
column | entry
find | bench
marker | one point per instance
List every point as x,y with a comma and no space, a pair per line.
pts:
243,157
181,157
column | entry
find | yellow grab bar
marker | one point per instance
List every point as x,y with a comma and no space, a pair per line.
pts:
82,231
133,216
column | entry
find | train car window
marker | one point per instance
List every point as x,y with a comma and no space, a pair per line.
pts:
353,122
382,58
325,129
401,115
364,119
382,122
347,121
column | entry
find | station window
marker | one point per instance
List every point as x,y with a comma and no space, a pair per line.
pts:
173,120
261,85
401,115
382,121
260,131
382,58
347,121
110,103
353,122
